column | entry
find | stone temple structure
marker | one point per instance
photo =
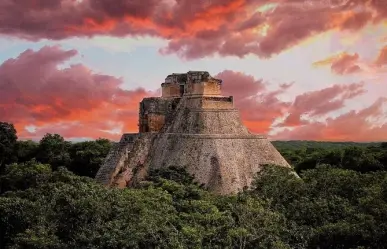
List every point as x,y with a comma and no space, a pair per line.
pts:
193,126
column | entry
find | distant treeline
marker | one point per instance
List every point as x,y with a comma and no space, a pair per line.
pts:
294,145
361,157
48,199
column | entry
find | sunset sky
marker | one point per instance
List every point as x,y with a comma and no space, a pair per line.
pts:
298,69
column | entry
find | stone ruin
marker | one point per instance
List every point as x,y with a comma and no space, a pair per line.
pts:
193,126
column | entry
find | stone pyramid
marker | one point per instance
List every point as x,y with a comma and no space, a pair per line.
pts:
193,126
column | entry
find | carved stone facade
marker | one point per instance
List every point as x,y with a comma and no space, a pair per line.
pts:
191,83
193,126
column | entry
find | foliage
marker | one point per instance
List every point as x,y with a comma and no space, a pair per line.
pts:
8,139
338,199
53,149
297,145
67,211
62,210
23,176
82,158
328,207
25,150
362,158
87,157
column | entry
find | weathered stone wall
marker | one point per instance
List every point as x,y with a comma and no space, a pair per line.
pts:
153,112
209,102
169,90
217,103
135,162
224,163
128,138
211,88
191,118
171,112
156,122
115,159
154,105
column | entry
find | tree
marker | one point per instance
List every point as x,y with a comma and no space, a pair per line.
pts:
53,150
8,140
87,157
67,211
25,150
328,207
360,159
339,200
23,176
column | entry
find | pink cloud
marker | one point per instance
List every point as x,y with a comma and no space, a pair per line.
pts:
35,92
352,126
75,102
235,27
259,107
342,63
382,58
320,102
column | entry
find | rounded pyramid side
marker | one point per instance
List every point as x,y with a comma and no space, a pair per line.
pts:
215,146
225,164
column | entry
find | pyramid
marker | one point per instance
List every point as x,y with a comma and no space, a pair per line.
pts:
192,126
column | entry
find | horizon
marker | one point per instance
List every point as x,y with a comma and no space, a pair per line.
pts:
79,140
80,68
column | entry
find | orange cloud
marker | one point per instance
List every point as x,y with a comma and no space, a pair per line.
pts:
342,63
193,28
71,101
77,103
261,109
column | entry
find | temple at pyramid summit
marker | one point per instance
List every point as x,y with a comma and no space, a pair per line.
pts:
192,126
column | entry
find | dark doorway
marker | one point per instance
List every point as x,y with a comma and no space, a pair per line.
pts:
181,90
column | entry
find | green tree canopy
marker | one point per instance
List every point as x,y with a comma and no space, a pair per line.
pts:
53,150
8,139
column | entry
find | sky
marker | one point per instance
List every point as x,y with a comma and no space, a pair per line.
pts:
298,69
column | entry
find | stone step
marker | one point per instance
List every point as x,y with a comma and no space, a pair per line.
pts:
112,159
